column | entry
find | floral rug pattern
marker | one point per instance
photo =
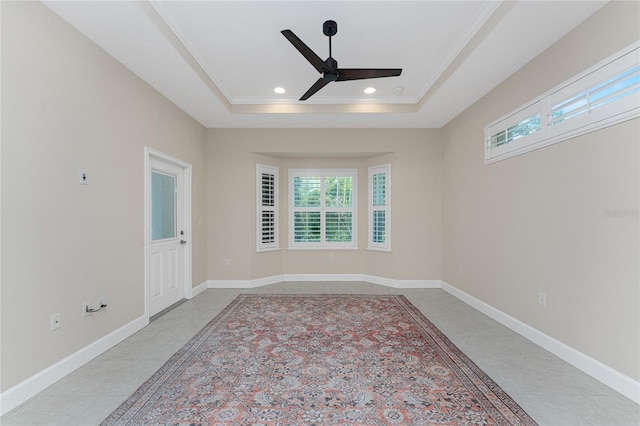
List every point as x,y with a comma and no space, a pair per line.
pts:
323,360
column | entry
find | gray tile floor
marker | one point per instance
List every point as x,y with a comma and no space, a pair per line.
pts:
549,389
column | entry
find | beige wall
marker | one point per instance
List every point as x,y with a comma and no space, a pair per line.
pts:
537,223
67,105
232,155
531,223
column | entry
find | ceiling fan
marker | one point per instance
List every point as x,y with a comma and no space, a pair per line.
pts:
329,67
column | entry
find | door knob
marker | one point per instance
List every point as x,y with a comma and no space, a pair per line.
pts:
183,242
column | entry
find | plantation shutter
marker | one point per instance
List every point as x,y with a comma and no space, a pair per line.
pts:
267,211
379,207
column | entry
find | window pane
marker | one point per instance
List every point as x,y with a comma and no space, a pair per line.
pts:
570,108
623,84
379,222
498,139
338,191
268,227
268,189
611,90
524,128
306,190
379,189
339,226
306,227
163,206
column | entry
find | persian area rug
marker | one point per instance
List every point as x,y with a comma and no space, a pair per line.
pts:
323,360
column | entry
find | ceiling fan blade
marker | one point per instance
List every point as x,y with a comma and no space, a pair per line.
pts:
345,74
304,49
316,86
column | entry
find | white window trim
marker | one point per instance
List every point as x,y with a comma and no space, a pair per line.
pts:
371,245
260,245
624,59
323,245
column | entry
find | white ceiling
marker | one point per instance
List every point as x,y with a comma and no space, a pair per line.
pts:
220,60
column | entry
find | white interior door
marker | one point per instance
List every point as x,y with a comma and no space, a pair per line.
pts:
167,236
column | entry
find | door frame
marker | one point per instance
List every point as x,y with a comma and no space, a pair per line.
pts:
150,153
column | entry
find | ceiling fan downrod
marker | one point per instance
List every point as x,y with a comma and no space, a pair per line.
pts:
330,28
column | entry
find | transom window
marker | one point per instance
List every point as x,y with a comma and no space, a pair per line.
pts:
322,204
605,94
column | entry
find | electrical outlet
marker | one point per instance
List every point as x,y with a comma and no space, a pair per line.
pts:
460,270
85,309
330,258
227,263
55,321
542,299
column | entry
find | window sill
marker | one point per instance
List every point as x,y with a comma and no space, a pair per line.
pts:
384,250
268,250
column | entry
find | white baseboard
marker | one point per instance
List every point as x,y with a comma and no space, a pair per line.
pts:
22,392
596,369
389,282
323,277
259,282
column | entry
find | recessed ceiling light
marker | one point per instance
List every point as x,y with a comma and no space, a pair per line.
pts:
370,90
279,90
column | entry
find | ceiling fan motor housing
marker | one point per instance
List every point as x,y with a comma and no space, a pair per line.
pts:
332,75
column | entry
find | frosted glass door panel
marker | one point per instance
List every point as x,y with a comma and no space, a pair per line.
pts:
163,206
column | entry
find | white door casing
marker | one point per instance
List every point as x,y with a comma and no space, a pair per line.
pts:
167,231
